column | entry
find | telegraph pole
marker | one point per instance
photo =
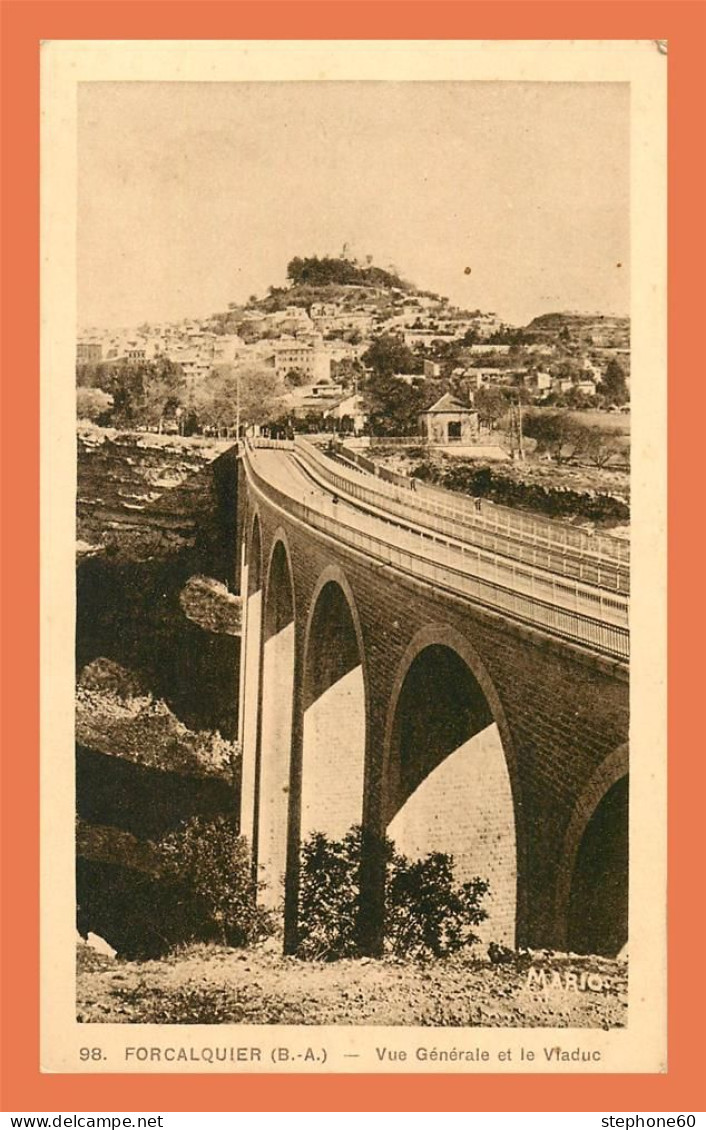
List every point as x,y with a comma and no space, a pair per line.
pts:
516,429
237,403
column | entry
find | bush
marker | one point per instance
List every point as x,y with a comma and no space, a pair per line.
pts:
209,866
427,912
329,896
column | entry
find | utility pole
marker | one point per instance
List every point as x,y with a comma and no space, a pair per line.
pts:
518,445
237,404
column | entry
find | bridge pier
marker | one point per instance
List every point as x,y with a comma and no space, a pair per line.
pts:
291,878
275,725
251,588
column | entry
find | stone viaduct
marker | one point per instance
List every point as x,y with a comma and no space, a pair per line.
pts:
373,696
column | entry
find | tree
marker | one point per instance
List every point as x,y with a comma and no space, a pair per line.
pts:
492,405
93,404
128,394
260,391
295,268
87,374
313,422
449,354
597,445
506,335
326,271
347,371
556,433
577,399
97,374
388,354
143,392
247,330
567,369
164,392
255,386
614,386
392,405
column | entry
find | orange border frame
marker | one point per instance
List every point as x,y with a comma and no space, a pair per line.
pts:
25,22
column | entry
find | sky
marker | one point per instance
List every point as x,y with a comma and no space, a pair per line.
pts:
194,195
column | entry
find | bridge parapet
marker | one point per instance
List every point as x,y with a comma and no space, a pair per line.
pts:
267,442
540,550
541,531
544,602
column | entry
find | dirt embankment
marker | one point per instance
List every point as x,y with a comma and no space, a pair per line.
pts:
212,985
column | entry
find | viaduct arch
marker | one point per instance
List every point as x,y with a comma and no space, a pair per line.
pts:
451,780
334,710
592,891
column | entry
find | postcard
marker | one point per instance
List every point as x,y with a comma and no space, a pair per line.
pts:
353,556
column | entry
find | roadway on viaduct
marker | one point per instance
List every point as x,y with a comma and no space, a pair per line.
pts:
453,677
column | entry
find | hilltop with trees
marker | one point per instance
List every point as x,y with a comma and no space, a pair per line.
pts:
327,271
325,278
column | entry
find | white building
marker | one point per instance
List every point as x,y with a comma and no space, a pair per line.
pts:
311,360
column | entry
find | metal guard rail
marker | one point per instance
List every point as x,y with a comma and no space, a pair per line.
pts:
499,564
566,590
597,635
545,531
563,561
265,441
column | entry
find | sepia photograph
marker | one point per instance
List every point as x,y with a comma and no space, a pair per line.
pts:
358,467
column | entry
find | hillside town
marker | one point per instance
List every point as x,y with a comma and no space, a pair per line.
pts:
349,347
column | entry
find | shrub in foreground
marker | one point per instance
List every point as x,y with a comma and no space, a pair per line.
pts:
428,913
209,866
